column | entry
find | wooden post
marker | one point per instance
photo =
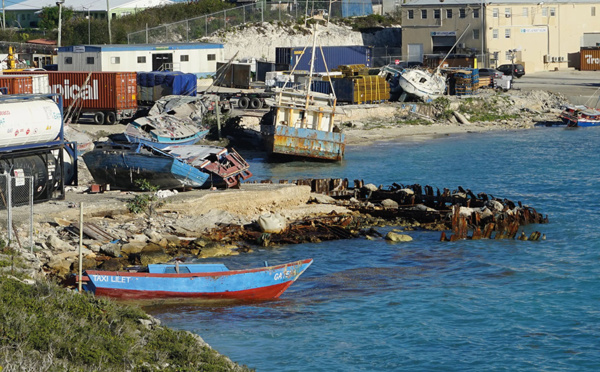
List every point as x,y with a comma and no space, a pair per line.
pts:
80,245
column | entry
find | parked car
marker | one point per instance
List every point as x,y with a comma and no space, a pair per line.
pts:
491,72
516,69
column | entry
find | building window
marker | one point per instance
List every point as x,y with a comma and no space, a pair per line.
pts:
423,13
184,58
90,60
68,60
508,55
507,33
507,12
495,12
476,33
462,13
545,12
211,57
552,12
448,13
411,14
141,59
525,12
115,60
495,33
475,13
436,14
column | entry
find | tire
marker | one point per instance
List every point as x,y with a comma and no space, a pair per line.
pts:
255,103
110,118
99,117
244,102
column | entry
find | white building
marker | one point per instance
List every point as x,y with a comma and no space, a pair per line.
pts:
196,58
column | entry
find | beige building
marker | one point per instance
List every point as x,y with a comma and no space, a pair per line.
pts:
541,35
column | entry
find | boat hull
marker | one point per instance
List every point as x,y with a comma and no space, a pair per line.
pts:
164,142
121,170
248,285
422,84
304,142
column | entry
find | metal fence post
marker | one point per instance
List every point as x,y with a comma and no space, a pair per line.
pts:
206,25
9,206
187,30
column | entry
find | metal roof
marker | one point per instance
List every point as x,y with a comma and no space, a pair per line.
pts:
138,47
489,3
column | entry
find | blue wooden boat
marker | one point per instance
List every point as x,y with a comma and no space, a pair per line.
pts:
121,165
201,281
580,116
161,131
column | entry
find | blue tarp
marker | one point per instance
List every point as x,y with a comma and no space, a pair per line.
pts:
174,82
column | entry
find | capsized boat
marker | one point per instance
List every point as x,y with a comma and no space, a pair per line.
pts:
580,116
191,166
301,123
202,281
423,84
163,130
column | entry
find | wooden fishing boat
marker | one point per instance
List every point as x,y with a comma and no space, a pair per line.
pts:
161,131
192,166
580,116
201,281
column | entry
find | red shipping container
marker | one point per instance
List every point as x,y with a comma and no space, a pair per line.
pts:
110,96
17,84
590,58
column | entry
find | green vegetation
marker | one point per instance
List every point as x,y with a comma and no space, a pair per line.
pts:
370,21
145,203
482,110
47,328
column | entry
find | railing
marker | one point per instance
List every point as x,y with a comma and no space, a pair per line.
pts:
195,28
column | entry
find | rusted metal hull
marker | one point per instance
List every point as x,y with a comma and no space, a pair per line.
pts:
304,142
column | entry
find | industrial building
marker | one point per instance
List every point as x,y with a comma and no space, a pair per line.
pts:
541,35
196,58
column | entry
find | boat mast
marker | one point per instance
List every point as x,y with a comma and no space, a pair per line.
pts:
310,74
451,49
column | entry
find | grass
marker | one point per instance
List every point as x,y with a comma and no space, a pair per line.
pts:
44,327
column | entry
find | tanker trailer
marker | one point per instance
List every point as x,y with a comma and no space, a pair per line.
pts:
32,145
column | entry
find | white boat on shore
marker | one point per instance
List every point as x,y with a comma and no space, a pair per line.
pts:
423,84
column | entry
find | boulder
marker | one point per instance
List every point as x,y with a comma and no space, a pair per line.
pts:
133,247
322,199
396,237
111,249
57,244
370,187
153,253
272,223
217,250
389,204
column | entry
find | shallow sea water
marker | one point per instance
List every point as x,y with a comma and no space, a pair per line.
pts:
426,305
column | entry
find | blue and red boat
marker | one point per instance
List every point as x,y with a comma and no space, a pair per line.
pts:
580,116
199,281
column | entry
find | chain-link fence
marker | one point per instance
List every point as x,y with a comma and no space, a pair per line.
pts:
16,209
196,28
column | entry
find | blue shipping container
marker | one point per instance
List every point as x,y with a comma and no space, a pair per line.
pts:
334,57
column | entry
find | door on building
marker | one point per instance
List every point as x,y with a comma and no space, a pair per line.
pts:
415,53
443,44
162,61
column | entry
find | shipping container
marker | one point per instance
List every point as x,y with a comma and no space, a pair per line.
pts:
334,57
40,83
107,96
17,84
590,58
263,67
361,89
234,75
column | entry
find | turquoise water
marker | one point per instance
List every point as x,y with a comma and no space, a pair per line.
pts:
426,305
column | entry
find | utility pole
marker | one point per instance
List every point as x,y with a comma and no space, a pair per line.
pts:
59,3
3,16
108,16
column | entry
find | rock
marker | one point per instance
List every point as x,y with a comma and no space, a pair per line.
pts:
395,237
112,265
389,204
370,187
272,223
322,199
153,236
424,208
111,249
494,206
132,247
460,117
138,238
407,191
216,250
61,263
57,244
153,253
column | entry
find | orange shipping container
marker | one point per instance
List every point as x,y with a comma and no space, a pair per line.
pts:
108,96
590,58
17,84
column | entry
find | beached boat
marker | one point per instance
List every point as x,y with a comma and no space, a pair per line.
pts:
161,131
422,83
301,123
201,281
121,165
580,116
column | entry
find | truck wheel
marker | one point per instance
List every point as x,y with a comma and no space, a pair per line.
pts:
99,117
255,103
111,118
244,102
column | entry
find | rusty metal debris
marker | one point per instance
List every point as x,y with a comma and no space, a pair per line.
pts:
459,210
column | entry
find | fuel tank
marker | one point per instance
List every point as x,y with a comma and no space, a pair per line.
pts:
29,122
